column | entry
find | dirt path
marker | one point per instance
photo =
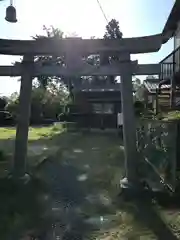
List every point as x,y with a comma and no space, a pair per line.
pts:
84,181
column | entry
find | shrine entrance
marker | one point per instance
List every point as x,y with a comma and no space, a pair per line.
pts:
75,50
82,173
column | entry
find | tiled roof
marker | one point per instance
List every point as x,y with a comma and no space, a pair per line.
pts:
152,84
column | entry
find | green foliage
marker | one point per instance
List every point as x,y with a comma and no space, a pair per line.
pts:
12,104
173,115
49,103
22,208
54,33
139,90
44,103
113,30
50,93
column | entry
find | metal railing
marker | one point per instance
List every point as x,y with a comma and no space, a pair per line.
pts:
170,64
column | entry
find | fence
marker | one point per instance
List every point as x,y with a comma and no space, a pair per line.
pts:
157,144
170,64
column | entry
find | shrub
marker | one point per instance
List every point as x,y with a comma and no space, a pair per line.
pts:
3,156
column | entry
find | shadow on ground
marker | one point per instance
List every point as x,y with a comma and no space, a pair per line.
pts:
147,213
74,194
78,171
80,178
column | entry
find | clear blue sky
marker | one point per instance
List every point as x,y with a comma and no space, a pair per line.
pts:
136,18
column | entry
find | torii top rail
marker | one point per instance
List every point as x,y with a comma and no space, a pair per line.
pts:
78,47
74,49
85,46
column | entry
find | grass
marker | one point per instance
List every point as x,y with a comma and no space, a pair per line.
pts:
7,133
35,133
83,170
172,115
41,142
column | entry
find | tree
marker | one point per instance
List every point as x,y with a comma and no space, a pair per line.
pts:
44,103
65,83
138,88
113,30
12,104
136,83
43,81
49,92
55,33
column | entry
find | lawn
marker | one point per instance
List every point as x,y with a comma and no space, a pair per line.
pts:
40,142
82,171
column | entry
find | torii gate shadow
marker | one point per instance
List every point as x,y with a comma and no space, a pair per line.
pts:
148,215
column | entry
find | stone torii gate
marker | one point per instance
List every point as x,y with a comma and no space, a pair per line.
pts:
74,49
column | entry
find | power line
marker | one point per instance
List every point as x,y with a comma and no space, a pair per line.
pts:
100,6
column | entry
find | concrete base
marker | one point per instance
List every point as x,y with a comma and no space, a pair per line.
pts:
124,183
24,179
130,190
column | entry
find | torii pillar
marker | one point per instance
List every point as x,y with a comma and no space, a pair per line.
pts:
21,142
129,125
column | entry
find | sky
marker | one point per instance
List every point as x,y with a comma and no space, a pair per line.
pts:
83,17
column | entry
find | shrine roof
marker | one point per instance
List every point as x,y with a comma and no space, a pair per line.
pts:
152,84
